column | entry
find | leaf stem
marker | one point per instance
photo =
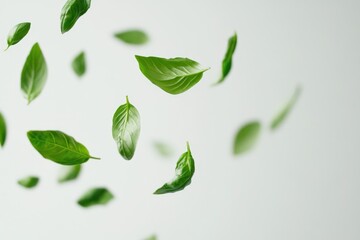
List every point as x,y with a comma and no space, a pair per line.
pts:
188,146
127,99
95,158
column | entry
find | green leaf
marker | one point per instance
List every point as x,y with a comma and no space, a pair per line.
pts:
184,171
2,130
71,12
79,64
34,74
247,137
70,173
281,116
17,33
153,237
163,149
126,129
227,61
59,147
134,37
29,182
174,75
95,196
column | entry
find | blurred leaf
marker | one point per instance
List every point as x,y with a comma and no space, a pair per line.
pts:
95,196
227,62
3,130
163,149
79,64
17,33
246,137
71,12
29,182
153,237
70,173
134,37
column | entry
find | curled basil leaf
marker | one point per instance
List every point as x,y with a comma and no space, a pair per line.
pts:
29,182
17,33
134,37
95,196
71,12
79,64
3,130
69,173
227,62
247,137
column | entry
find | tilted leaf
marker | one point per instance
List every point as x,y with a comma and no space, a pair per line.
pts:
227,61
59,147
174,75
135,37
247,137
163,149
71,12
79,64
184,171
3,130
126,129
34,74
281,116
95,196
29,182
17,33
69,173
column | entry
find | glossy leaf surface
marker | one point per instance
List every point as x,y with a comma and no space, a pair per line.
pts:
17,33
71,12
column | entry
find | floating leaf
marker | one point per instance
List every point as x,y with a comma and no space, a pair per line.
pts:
227,62
153,237
2,130
34,74
134,37
59,147
246,137
71,12
281,116
126,129
163,149
95,196
184,171
79,64
70,173
29,182
17,33
174,75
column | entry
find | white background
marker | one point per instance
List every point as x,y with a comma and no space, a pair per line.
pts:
300,182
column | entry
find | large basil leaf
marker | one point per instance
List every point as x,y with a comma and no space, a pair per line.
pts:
79,64
135,37
126,129
69,173
34,74
247,137
17,33
3,130
59,147
29,182
174,75
71,12
95,196
184,171
281,116
227,61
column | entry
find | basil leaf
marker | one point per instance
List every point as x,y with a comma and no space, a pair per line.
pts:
17,33
174,75
71,12
246,137
70,173
163,149
135,37
29,182
184,171
2,130
126,129
227,61
153,237
59,147
281,116
95,196
79,64
34,74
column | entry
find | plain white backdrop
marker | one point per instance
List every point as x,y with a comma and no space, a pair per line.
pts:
300,182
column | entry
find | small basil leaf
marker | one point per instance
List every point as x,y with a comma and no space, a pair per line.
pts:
17,33
95,196
59,147
29,182
227,61
71,12
135,37
184,171
70,173
153,237
34,74
126,129
79,64
3,130
174,75
281,116
163,149
246,137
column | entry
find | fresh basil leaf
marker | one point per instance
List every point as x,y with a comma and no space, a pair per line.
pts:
29,182
59,147
17,33
281,116
3,130
174,75
163,149
34,74
126,129
71,12
95,196
135,37
69,173
184,171
227,61
153,237
79,64
247,137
